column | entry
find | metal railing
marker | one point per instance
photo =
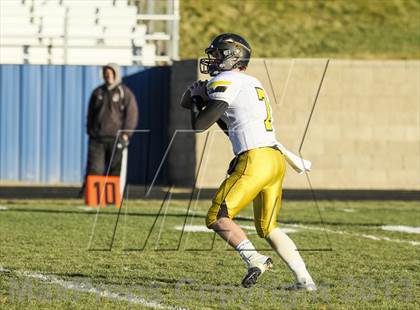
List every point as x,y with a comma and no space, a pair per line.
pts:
164,55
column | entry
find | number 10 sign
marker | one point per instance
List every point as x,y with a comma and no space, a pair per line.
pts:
102,191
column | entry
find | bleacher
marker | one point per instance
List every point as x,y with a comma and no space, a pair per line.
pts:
80,32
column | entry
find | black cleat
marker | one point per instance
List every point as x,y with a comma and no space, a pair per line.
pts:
254,273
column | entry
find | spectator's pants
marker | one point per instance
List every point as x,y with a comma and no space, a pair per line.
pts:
101,157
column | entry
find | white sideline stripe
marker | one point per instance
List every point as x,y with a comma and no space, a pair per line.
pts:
283,229
85,288
402,228
202,228
194,228
371,237
87,209
3,208
349,210
415,243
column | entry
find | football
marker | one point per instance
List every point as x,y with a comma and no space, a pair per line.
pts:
186,100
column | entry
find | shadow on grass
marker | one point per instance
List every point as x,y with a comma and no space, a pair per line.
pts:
182,215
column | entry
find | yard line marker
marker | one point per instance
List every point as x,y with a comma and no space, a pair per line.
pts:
411,242
3,208
402,228
376,238
86,288
193,228
371,237
203,228
87,209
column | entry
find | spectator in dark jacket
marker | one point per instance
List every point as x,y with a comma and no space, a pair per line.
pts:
112,107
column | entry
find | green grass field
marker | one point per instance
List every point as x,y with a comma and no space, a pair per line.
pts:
44,261
357,29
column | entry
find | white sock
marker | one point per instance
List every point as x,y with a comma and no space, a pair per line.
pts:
248,252
286,249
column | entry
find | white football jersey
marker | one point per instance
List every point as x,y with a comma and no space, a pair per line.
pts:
249,117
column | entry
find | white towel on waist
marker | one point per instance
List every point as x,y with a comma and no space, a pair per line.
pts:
298,163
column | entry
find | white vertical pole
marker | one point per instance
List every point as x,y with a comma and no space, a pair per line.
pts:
66,35
169,27
123,174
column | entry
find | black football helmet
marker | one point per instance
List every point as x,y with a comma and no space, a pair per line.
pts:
226,52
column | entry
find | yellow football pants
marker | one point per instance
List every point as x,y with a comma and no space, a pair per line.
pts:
258,177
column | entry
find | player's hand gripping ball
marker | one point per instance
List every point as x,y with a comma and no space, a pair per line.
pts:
198,88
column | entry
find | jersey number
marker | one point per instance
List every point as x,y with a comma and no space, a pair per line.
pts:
263,97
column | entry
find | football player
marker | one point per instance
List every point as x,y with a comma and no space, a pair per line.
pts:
238,103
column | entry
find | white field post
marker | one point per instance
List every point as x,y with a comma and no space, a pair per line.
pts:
123,174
